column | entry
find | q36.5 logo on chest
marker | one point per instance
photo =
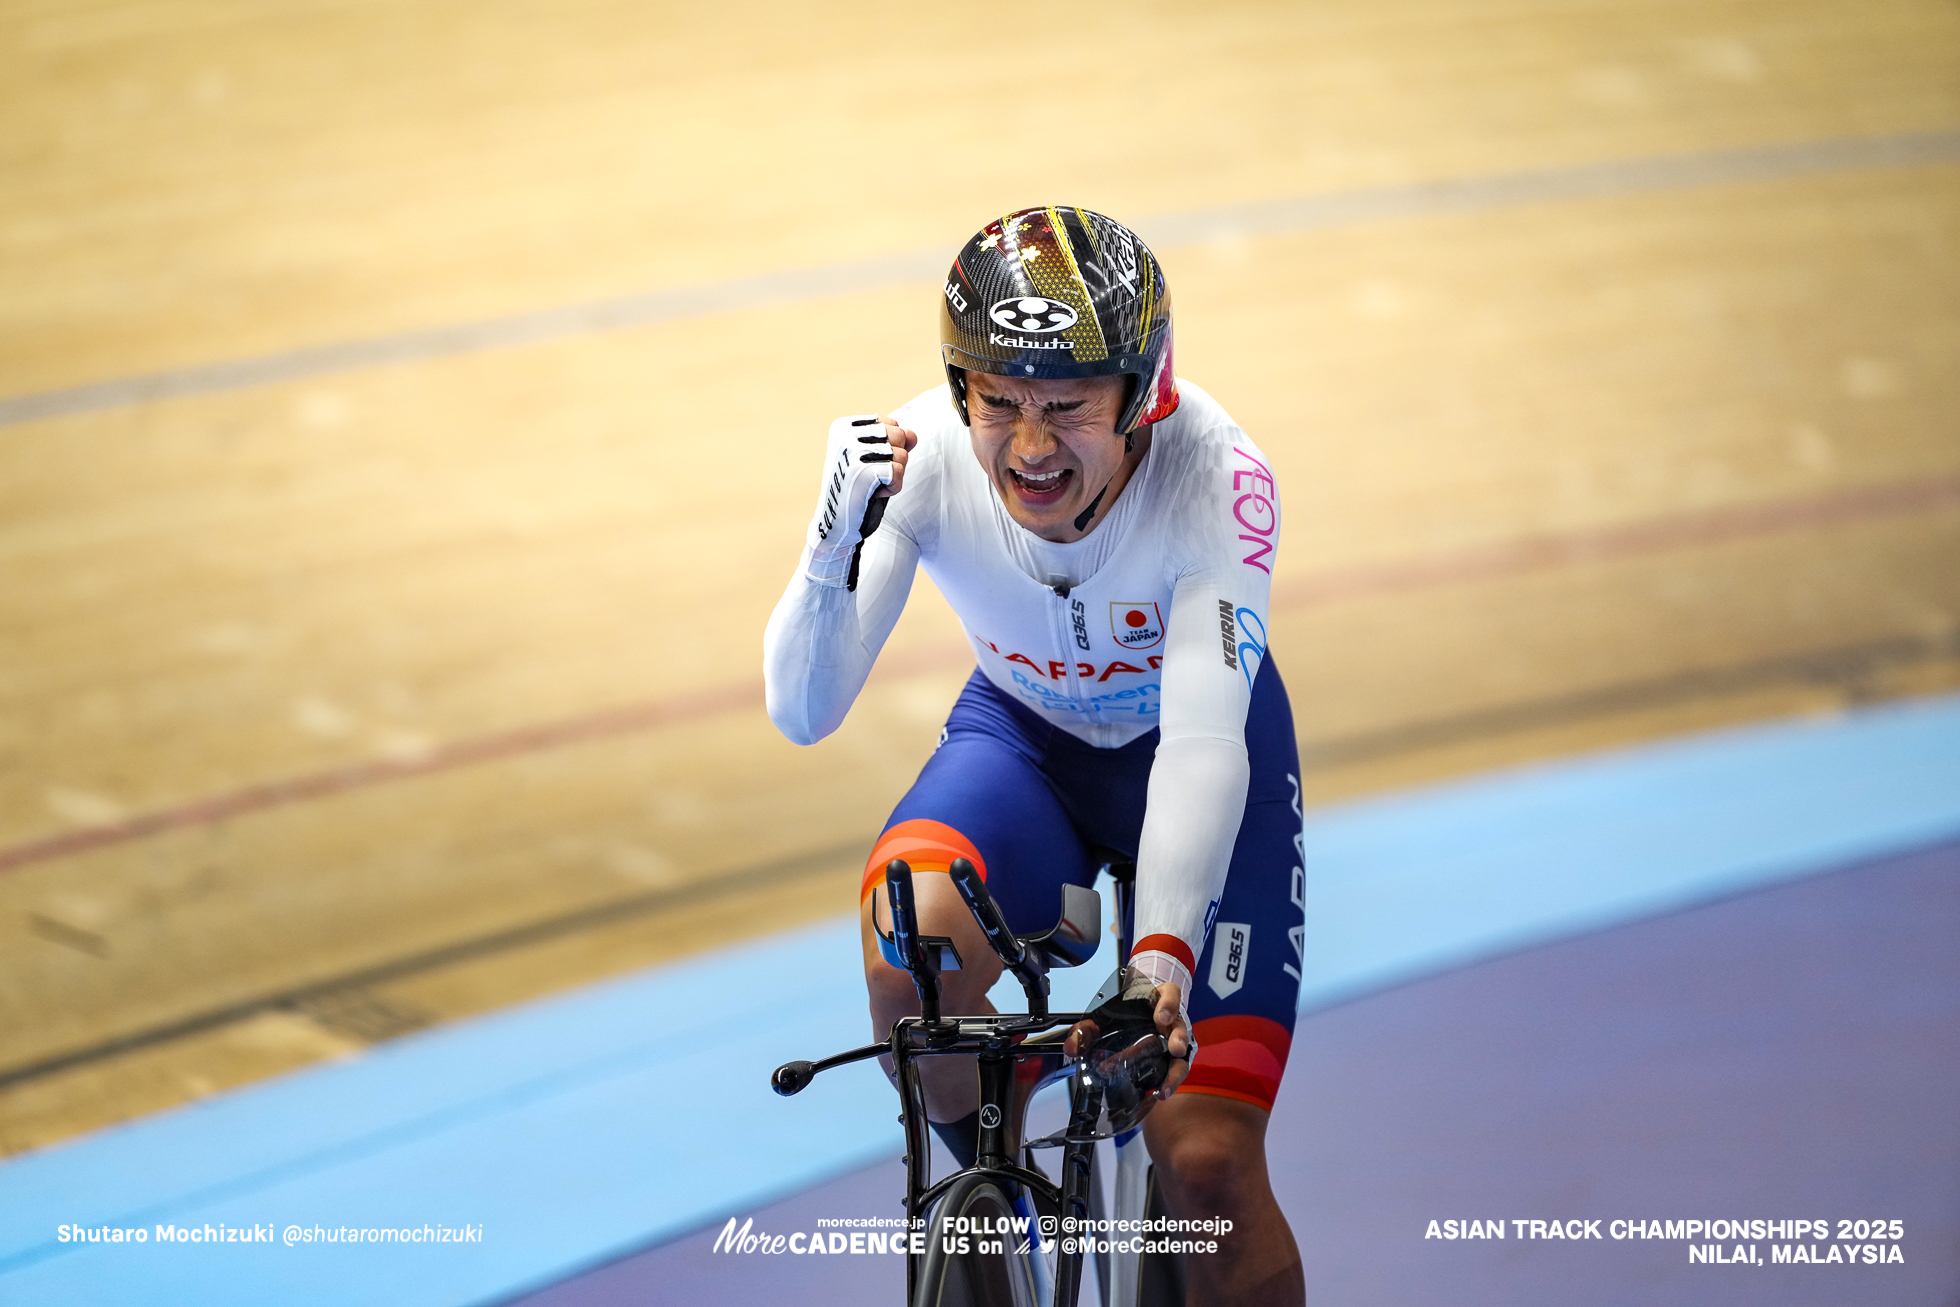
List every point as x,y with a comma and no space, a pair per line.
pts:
1032,314
1136,626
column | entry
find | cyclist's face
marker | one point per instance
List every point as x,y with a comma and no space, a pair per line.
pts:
1049,446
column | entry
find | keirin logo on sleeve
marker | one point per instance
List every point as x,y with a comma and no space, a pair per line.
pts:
1231,944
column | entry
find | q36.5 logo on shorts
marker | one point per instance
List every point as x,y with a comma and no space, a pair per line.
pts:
1033,314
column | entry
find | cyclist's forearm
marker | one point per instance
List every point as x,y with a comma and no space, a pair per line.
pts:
1198,781
1196,799
822,639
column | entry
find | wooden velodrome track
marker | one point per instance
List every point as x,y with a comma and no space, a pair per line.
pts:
409,413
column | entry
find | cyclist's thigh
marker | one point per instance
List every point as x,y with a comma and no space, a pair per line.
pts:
982,796
1247,986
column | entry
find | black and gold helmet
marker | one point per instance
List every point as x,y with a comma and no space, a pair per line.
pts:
1061,292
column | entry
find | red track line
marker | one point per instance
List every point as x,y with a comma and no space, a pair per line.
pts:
1529,553
621,720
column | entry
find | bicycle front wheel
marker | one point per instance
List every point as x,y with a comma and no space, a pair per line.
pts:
964,1268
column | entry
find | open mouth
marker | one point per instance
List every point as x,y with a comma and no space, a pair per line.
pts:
1041,486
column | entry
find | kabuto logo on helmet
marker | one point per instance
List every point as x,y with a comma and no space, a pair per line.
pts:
1033,313
1015,342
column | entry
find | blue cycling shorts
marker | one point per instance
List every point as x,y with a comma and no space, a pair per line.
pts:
1033,806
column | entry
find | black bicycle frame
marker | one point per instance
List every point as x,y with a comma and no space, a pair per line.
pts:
1001,1045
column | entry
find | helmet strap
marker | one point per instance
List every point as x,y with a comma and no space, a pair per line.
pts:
1082,518
956,380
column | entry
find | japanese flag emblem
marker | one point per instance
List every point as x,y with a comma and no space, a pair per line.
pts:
1136,626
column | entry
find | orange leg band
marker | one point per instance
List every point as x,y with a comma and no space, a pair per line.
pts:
925,846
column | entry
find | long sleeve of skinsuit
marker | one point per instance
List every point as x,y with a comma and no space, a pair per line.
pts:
827,629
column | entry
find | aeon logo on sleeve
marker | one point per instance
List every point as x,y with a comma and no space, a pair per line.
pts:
1034,314
1136,626
1256,509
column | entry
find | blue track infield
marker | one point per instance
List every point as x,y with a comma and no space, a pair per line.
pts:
573,1129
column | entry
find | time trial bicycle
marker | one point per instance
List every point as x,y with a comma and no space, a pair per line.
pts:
997,1233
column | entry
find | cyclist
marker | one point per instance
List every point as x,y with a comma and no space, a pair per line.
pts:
1106,535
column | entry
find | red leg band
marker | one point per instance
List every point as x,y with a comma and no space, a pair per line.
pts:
1240,1057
